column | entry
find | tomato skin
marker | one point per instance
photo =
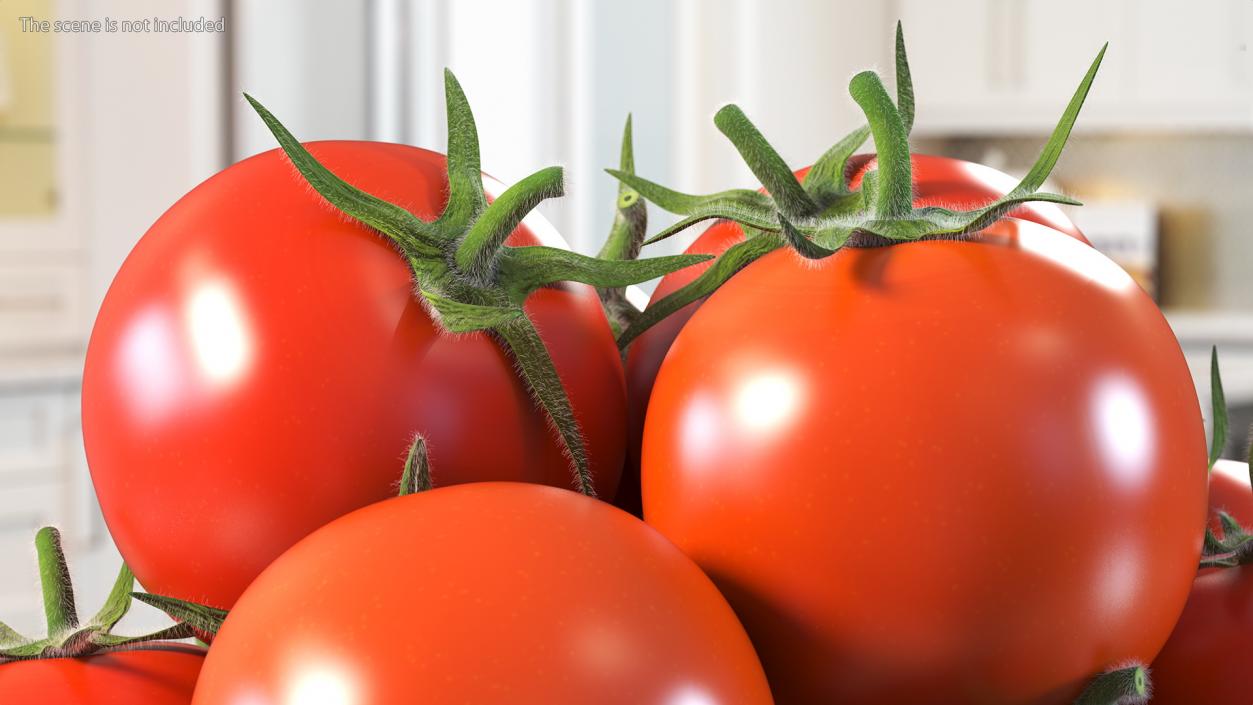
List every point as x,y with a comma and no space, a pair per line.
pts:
484,593
1210,652
260,364
934,472
938,181
164,675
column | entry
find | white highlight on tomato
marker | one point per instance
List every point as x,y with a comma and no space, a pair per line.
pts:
765,401
322,685
691,695
1124,427
1075,256
219,332
151,365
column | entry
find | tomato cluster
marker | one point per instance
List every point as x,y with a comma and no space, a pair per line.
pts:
895,431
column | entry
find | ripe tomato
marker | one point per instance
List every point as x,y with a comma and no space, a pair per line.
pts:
940,471
937,181
1210,652
261,362
483,593
151,676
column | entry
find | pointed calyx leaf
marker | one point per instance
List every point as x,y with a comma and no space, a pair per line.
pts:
737,257
895,198
54,577
204,620
66,637
417,474
745,206
461,265
766,164
119,601
803,245
904,82
530,268
1233,548
393,221
823,215
478,251
1129,685
825,181
466,198
459,317
1218,405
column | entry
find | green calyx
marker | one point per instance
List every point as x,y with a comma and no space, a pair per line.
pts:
1122,686
626,237
469,278
1234,547
820,215
67,637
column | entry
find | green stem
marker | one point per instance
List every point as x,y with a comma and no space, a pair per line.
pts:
54,576
626,237
1125,686
417,474
541,377
895,198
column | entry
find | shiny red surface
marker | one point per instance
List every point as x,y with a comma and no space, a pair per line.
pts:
484,593
260,364
938,181
1210,653
153,676
935,472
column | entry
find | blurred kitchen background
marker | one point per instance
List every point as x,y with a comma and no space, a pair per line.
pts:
100,132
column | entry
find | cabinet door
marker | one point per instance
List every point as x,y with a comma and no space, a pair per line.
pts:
957,54
987,66
1191,56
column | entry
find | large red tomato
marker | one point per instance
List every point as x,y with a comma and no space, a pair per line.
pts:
938,181
1210,652
152,675
483,593
942,471
261,362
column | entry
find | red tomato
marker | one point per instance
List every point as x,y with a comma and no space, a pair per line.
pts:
163,675
938,181
260,364
1210,652
939,471
483,593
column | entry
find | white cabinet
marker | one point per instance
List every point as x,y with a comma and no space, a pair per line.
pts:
1010,66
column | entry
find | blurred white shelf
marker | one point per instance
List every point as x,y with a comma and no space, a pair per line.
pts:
55,369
